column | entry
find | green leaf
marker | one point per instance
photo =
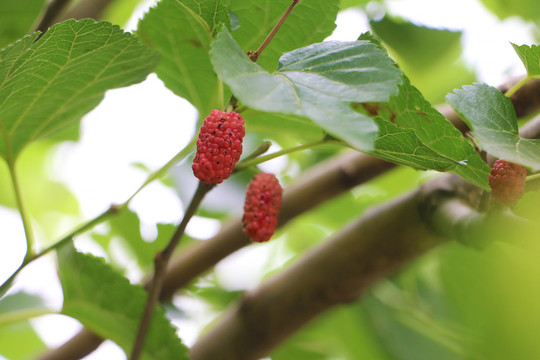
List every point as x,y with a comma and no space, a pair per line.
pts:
402,146
434,136
530,56
310,21
316,82
182,32
109,305
491,117
47,86
17,18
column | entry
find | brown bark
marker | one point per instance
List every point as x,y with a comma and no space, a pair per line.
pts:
336,272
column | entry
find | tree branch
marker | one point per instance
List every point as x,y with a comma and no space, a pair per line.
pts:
339,271
317,186
80,345
322,183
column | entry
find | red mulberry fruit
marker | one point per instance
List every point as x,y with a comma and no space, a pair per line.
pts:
219,146
261,208
507,181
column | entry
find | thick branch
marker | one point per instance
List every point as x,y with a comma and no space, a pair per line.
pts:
80,345
339,271
317,186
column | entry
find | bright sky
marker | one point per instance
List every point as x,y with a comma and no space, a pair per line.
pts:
147,124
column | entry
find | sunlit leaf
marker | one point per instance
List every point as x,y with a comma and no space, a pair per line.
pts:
48,85
530,56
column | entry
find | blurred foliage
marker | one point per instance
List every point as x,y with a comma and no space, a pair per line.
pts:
17,19
345,4
126,227
526,9
120,11
425,54
18,340
48,200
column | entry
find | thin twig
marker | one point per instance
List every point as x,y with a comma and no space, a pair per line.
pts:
255,54
160,266
165,168
81,229
246,163
113,209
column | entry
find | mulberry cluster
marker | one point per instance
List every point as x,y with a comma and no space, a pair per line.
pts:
219,146
507,181
261,207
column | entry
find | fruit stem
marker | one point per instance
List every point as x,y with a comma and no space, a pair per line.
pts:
160,267
532,177
261,149
520,84
249,162
517,86
255,54
161,171
231,104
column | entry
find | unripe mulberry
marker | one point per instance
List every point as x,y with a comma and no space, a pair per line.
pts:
507,181
261,207
219,146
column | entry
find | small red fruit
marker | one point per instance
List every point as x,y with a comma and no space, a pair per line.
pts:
507,181
219,146
261,207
